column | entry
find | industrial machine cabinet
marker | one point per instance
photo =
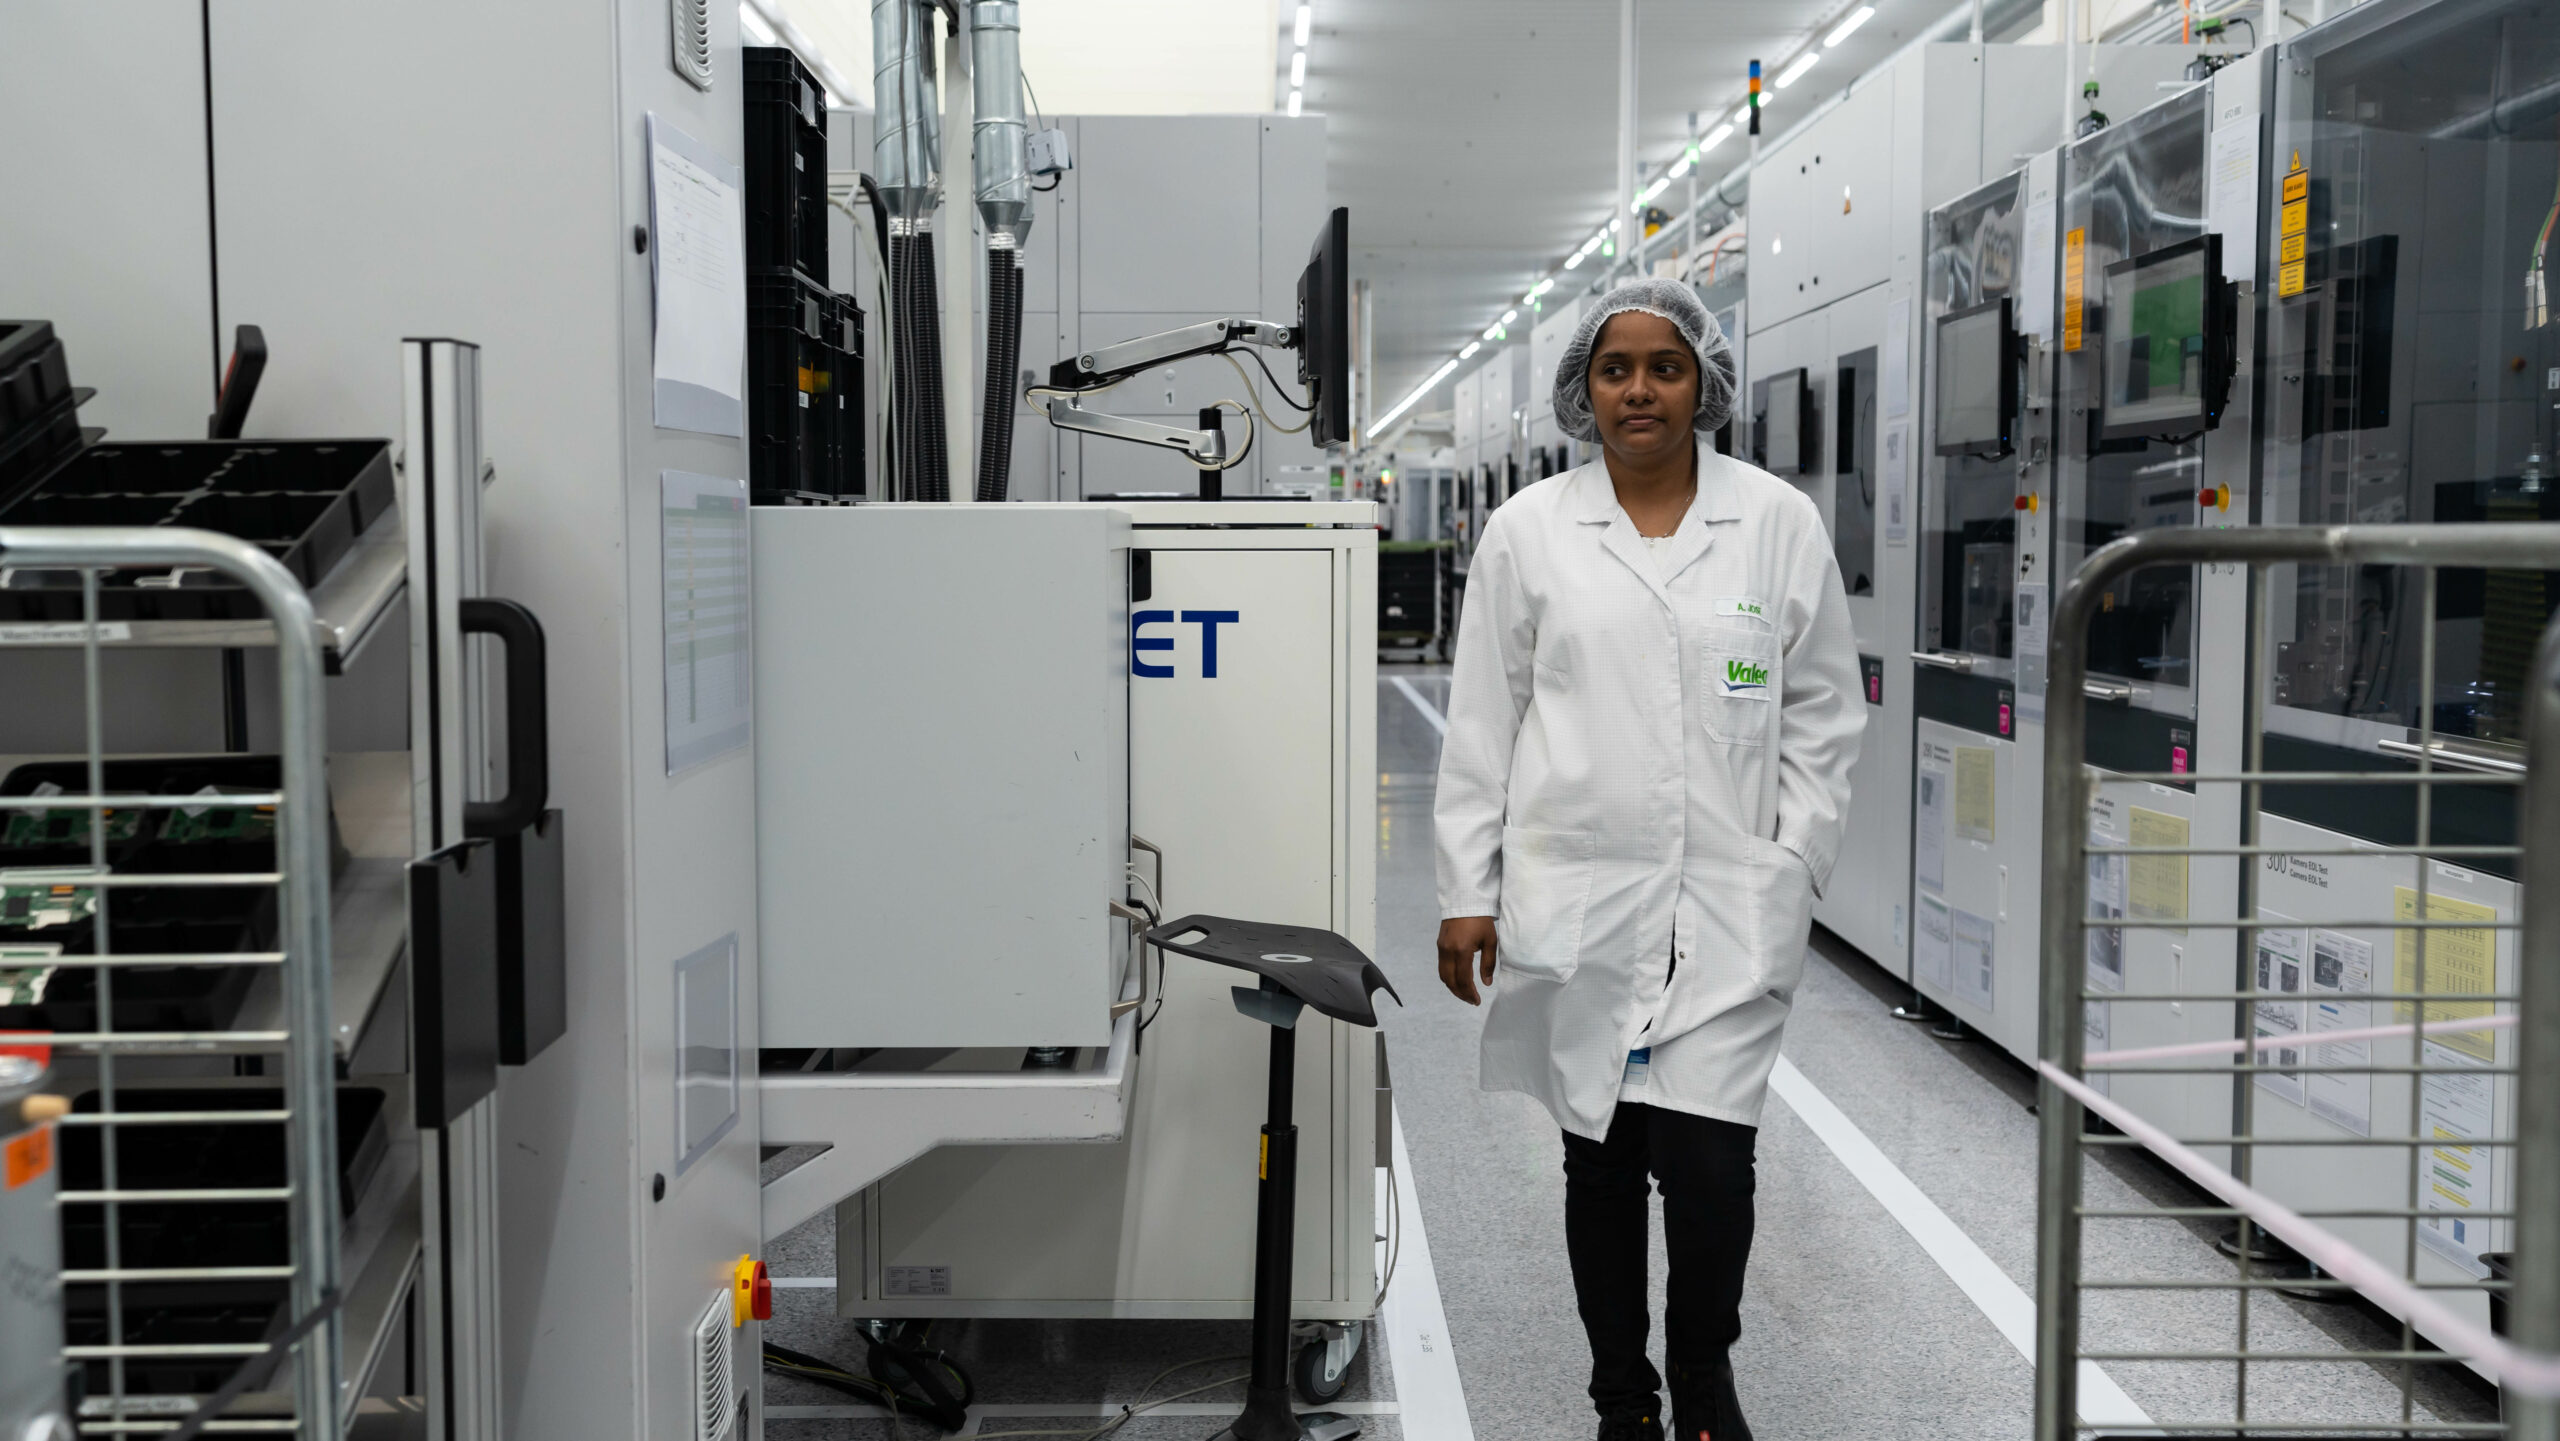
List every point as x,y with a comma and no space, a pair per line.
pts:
1252,705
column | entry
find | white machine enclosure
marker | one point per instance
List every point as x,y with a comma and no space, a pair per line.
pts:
1254,770
942,784
1982,538
2138,186
504,218
1835,287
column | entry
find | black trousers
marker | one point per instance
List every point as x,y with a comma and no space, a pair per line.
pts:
1705,1170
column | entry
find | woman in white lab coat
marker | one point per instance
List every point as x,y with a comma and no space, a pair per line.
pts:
1651,723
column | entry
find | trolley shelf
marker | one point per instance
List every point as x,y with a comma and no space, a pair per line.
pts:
350,604
369,931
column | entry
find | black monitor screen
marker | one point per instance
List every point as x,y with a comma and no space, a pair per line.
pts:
1324,330
1782,424
2160,349
1974,381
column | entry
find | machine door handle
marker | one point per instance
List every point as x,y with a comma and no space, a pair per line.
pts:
1944,660
2446,755
2107,689
528,718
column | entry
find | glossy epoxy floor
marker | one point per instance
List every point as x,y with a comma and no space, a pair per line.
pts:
1852,1327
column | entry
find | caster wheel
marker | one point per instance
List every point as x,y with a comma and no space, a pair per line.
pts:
1322,1370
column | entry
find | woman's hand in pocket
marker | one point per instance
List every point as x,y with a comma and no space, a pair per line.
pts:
1466,944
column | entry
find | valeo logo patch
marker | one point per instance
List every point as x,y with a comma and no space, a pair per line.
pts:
1745,675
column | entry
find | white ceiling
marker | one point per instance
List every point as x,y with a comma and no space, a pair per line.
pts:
1476,140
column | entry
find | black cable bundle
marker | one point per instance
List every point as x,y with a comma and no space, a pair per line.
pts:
924,452
907,1380
1004,359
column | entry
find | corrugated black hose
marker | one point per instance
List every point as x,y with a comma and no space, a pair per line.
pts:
1004,360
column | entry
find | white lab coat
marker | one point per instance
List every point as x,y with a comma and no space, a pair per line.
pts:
1643,780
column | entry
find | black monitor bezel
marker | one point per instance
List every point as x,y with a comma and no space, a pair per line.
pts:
1324,330
2217,345
2007,385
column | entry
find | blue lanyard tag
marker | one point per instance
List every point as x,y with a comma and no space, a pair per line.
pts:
1638,1062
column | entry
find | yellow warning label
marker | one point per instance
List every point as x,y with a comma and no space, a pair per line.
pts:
2297,186
2289,278
2297,217
2289,250
2075,276
1265,1171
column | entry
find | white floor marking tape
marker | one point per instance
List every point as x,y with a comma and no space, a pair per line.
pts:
1429,711
1434,1405
2102,1401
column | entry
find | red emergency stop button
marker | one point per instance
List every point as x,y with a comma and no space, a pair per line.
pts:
760,1296
2214,497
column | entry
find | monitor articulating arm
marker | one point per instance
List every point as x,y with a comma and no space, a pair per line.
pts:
1072,379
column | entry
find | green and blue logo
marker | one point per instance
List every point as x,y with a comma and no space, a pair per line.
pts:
1743,675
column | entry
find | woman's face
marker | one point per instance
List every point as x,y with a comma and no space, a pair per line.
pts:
1644,386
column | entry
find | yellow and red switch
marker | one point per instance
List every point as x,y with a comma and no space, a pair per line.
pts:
2214,497
750,1292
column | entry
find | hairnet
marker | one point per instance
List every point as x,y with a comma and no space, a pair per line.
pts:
1673,301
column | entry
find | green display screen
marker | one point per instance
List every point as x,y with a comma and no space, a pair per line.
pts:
2155,345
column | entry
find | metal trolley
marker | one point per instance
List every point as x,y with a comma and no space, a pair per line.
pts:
2512,1036
288,1380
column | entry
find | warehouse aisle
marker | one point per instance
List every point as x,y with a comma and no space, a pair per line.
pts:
1852,1326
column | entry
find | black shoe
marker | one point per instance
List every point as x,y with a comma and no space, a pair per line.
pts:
1704,1405
1631,1426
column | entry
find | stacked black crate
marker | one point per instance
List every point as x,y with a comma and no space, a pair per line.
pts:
39,424
804,342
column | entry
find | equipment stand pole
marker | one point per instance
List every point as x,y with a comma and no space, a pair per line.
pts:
1267,1394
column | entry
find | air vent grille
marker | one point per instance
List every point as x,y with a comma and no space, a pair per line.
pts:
714,1372
691,20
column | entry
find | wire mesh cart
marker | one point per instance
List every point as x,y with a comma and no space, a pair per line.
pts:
2390,1067
187,937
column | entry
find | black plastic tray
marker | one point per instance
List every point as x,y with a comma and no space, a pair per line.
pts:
302,501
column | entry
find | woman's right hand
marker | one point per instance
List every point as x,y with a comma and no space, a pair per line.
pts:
1466,946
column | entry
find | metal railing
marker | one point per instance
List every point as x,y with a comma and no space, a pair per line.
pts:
2437,1327
305,1335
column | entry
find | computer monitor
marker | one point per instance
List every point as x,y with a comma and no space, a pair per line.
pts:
1324,330
1784,423
1977,381
2166,367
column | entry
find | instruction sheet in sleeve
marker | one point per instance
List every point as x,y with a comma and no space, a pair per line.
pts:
2156,886
1897,483
703,578
1977,795
2106,900
2341,966
1975,944
2282,963
1933,944
2035,245
2457,1179
2459,960
1929,831
2231,181
698,285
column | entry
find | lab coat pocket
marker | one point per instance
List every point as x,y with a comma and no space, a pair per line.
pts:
1739,674
1546,888
1782,915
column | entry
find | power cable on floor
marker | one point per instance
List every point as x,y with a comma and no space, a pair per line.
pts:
1131,1412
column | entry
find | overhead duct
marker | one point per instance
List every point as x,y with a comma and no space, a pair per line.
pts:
902,154
1003,188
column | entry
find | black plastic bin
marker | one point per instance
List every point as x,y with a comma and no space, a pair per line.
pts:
804,392
786,115
302,501
39,424
186,1233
